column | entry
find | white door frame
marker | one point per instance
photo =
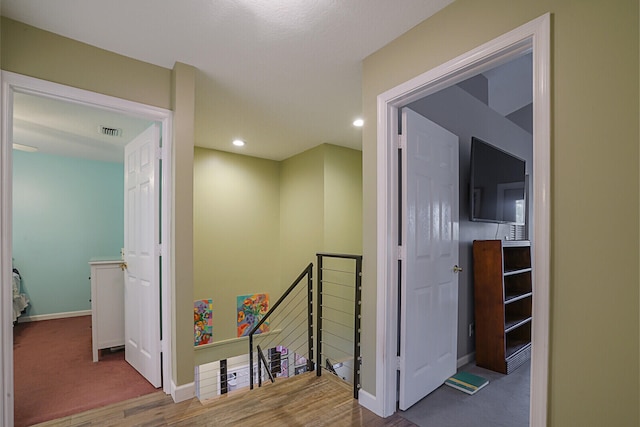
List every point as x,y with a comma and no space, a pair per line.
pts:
11,83
531,37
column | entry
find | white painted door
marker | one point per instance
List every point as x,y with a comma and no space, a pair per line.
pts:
141,234
429,283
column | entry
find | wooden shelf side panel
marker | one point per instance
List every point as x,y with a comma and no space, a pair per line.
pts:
503,297
489,308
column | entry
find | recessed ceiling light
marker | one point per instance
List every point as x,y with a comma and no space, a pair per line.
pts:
358,123
238,143
26,148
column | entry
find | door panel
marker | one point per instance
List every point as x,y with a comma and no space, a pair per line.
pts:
142,287
429,286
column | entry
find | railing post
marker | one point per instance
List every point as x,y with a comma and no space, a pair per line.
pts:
358,317
310,315
259,369
224,377
250,362
357,359
319,321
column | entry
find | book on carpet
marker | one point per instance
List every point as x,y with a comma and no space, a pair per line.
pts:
466,382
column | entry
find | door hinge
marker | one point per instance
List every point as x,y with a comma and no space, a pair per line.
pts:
401,142
398,363
159,249
159,153
402,253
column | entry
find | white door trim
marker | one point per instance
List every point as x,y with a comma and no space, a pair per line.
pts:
535,37
11,83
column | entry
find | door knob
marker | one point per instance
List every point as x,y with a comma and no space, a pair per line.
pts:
457,269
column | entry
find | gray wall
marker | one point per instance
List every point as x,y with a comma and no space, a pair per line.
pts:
464,115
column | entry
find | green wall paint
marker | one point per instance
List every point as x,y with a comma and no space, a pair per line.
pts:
236,239
321,205
37,53
301,211
342,200
65,211
594,329
259,222
183,89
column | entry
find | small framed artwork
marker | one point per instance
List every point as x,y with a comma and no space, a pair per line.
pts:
251,309
203,321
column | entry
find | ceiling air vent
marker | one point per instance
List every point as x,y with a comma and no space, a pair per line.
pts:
104,130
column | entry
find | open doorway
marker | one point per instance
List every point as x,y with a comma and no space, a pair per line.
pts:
496,106
132,118
531,37
68,193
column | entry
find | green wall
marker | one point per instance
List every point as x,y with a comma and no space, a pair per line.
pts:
343,200
65,211
321,205
236,239
594,323
258,223
301,211
183,78
37,53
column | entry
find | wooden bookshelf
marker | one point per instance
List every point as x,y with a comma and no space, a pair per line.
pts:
503,297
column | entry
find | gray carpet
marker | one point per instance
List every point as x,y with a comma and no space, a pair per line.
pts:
504,402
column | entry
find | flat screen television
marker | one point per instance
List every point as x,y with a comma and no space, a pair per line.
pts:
497,185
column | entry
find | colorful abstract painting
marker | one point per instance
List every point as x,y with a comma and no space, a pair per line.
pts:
203,321
251,309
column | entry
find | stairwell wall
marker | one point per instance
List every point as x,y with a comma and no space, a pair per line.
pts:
258,223
236,239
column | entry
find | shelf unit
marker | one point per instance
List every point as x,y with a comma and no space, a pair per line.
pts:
503,297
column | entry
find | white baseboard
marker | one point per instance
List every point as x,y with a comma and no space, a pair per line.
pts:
183,392
369,401
39,317
468,358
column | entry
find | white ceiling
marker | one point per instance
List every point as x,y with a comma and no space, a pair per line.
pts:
72,130
285,75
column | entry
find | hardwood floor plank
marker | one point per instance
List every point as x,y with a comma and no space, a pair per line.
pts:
304,400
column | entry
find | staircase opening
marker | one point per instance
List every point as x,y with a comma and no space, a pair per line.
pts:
309,330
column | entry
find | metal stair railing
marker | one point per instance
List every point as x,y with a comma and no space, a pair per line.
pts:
287,317
339,316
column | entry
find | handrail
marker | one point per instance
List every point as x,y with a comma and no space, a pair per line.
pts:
308,271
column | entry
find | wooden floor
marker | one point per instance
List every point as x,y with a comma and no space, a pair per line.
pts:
304,400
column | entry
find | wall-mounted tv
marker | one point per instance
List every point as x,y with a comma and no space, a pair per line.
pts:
497,185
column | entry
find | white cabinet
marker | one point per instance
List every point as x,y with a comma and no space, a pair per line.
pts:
107,305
